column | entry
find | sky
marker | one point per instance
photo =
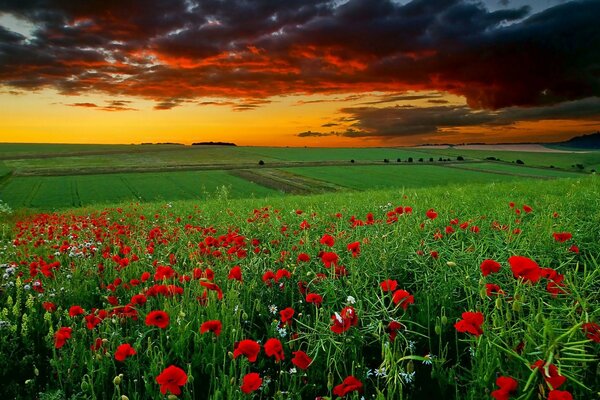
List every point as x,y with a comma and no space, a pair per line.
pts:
299,72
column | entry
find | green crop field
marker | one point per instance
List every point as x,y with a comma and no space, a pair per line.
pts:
384,176
67,191
519,170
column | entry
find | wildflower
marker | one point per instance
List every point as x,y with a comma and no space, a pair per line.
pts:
273,309
492,288
344,320
61,336
551,376
471,323
428,359
354,248
559,395
393,328
389,285
403,298
489,266
248,348
431,214
273,348
171,378
327,240
123,351
350,384
526,268
251,382
562,237
301,359
286,315
350,300
507,386
591,331
214,326
314,298
157,318
235,273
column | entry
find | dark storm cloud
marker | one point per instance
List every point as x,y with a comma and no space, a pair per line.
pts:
410,121
175,50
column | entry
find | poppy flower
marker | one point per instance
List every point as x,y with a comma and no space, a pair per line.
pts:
574,249
350,384
171,378
303,257
431,214
157,318
489,266
393,328
354,247
507,386
527,208
61,336
344,320
526,268
123,351
251,382
592,331
235,273
471,323
551,377
403,298
248,348
214,326
492,288
559,395
301,359
273,348
329,258
562,237
75,311
138,299
327,240
389,285
48,306
304,225
314,298
286,315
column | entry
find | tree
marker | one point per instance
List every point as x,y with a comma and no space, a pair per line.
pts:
261,162
410,159
520,162
460,158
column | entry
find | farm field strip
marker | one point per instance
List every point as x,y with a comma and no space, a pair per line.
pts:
286,181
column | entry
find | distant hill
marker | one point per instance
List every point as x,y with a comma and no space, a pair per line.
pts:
590,141
213,144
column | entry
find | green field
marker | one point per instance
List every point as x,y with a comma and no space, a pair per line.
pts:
67,191
518,170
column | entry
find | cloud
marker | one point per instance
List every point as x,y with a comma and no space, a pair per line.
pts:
85,105
392,122
172,51
111,105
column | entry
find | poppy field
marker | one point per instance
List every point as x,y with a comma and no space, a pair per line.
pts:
477,291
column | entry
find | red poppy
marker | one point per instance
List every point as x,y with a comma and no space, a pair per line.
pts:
273,348
559,395
282,273
574,249
327,240
248,348
301,359
251,382
344,320
314,298
329,258
138,299
393,328
471,323
171,379
431,214
527,209
489,266
157,318
123,351
213,286
403,298
75,311
492,288
235,273
507,386
526,268
350,384
48,306
551,377
214,326
389,285
354,247
286,315
61,336
303,257
562,237
304,225
591,331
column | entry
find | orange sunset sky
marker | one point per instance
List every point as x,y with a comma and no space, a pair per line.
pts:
299,73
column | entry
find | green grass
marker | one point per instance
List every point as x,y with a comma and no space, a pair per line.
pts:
590,160
67,191
522,170
385,176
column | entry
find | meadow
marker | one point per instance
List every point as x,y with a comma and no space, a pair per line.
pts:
50,177
469,291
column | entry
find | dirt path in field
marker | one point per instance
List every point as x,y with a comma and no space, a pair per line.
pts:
286,181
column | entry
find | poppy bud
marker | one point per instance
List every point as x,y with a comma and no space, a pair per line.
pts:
539,318
230,354
438,330
451,263
410,367
444,320
36,371
117,380
84,386
508,315
172,397
329,381
498,303
516,306
245,316
123,397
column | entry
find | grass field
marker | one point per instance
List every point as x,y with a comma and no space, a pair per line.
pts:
108,302
517,170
